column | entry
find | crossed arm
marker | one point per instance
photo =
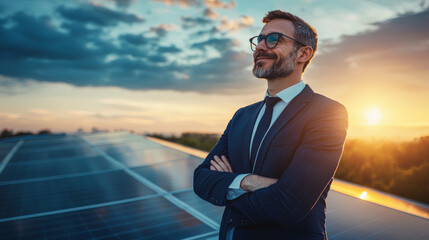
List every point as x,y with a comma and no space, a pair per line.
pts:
249,183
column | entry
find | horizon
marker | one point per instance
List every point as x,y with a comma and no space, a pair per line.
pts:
368,138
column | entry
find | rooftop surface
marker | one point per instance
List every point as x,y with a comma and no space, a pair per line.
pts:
124,186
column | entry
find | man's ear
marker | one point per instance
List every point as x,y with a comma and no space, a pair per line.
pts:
304,54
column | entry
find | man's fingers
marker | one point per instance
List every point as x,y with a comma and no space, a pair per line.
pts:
216,166
225,160
221,164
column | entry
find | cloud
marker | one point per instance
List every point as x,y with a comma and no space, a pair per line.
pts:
190,22
219,4
122,3
209,13
40,111
181,3
9,116
233,25
192,3
124,104
65,50
162,29
31,37
391,58
135,39
125,116
169,49
220,44
211,31
98,15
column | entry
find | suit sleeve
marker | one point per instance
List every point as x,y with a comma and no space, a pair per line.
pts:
313,166
210,185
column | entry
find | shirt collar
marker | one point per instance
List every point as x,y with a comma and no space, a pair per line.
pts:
289,93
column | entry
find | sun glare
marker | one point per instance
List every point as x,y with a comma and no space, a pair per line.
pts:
373,116
363,195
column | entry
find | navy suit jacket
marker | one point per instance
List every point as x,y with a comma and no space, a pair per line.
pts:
302,149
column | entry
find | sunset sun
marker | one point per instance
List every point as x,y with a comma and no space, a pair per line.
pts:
373,116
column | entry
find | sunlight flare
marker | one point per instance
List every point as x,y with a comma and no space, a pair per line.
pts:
373,116
363,195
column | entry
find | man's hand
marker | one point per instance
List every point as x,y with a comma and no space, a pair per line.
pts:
254,182
220,164
249,183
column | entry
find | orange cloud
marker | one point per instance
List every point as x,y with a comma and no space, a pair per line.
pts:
233,25
181,3
218,4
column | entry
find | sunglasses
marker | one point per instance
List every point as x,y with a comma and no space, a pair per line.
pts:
271,40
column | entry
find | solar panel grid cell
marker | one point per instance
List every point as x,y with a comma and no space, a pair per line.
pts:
5,146
49,141
214,212
52,146
54,167
38,155
4,154
5,149
146,156
50,195
128,145
170,175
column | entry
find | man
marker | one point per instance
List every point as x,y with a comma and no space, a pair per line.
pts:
273,166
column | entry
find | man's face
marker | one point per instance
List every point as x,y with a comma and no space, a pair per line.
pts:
280,60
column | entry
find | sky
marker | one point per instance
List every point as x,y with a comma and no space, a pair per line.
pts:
173,66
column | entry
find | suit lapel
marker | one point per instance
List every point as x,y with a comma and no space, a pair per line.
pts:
250,123
288,113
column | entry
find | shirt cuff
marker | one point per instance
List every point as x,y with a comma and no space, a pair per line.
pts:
234,189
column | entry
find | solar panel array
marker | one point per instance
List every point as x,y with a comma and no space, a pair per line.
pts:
124,186
104,186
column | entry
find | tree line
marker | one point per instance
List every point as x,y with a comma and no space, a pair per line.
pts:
400,168
6,133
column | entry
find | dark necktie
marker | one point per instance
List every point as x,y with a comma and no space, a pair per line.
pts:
263,126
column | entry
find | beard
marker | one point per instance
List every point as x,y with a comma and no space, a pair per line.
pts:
282,67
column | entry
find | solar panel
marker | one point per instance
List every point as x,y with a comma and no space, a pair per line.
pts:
124,186
214,212
153,218
69,192
54,167
352,218
171,175
33,153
